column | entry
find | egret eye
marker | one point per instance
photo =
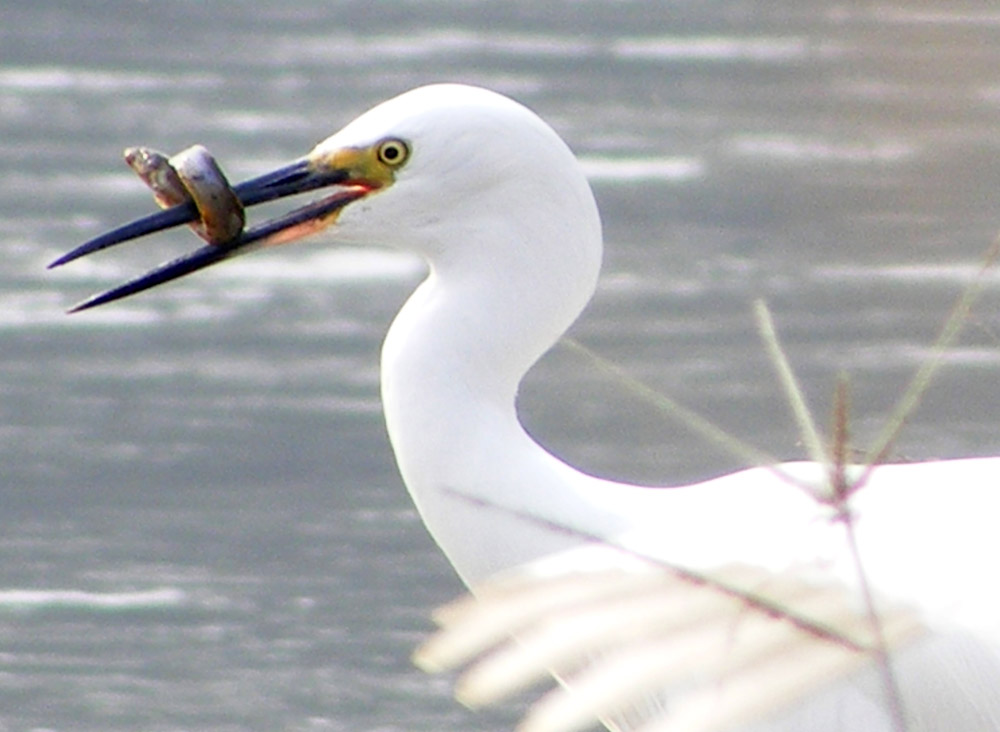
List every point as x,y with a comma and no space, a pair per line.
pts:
393,152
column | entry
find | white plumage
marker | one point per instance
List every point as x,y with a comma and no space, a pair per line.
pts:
501,211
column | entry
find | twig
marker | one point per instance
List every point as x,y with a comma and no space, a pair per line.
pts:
880,648
683,415
841,439
772,609
928,369
790,385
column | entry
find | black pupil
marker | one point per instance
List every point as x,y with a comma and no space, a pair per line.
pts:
390,152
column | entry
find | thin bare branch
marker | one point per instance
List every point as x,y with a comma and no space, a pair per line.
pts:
841,439
790,385
922,379
751,599
880,648
683,415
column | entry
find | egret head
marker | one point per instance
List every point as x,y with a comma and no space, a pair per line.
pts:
455,173
464,160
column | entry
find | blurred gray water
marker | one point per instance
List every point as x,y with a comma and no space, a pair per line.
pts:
208,460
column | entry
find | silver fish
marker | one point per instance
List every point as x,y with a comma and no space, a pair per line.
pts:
192,175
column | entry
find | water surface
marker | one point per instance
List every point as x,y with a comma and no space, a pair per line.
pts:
202,527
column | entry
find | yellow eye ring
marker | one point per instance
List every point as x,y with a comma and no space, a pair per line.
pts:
393,152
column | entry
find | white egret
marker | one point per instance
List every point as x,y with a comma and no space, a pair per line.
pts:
498,206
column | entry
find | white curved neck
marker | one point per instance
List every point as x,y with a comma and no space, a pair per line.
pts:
451,364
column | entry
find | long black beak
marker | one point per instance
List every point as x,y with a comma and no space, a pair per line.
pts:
299,177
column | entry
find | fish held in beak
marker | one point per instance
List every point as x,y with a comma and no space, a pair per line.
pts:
192,189
192,176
